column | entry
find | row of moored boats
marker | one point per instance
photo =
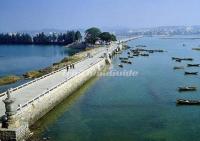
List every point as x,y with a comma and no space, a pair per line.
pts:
136,52
187,88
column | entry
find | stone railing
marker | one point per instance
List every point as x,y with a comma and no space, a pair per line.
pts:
20,107
42,77
49,74
37,79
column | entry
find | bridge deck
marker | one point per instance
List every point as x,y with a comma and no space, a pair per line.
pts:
31,91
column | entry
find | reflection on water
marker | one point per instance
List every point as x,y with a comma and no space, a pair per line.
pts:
43,124
17,59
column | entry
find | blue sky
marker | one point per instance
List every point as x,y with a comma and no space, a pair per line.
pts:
19,15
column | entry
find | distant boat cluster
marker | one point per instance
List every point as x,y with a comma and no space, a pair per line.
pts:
136,51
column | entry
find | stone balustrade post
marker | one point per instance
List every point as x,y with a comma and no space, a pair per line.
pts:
11,111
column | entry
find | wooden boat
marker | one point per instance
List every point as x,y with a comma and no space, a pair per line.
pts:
123,58
123,61
177,68
143,54
182,59
141,46
190,88
178,60
158,50
198,49
135,54
193,65
126,61
187,59
120,65
134,51
175,58
130,56
187,102
150,51
129,62
191,73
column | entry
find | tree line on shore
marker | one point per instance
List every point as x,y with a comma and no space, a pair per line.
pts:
92,35
41,38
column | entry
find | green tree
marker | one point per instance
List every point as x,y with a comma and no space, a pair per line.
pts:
41,38
113,37
107,37
69,37
78,36
17,38
92,35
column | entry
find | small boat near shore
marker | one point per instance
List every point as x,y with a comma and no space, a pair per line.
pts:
141,46
193,65
158,50
150,51
178,68
191,73
144,54
182,59
126,61
120,65
123,58
178,60
187,59
189,88
198,49
130,56
187,102
175,58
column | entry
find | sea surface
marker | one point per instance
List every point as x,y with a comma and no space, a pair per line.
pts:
18,59
134,108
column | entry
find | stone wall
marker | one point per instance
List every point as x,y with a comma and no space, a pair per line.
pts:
16,134
41,105
38,108
34,111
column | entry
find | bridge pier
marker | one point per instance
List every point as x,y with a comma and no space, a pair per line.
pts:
11,129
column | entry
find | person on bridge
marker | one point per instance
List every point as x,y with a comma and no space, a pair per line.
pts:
67,67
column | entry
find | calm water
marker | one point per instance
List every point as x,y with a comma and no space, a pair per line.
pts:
18,59
140,108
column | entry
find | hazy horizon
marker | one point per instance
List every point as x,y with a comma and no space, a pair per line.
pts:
26,15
